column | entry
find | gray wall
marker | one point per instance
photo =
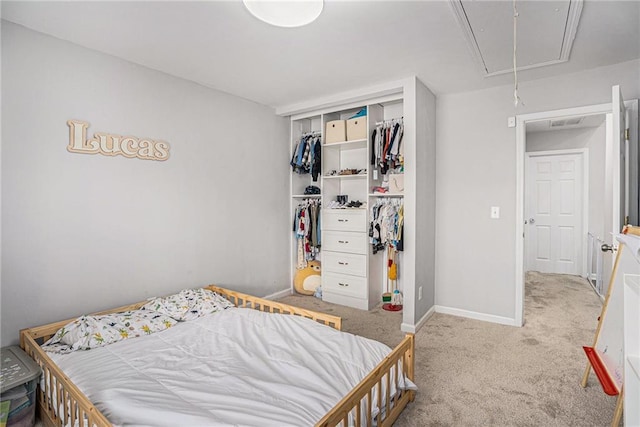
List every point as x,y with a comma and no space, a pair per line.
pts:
476,169
87,232
594,139
425,206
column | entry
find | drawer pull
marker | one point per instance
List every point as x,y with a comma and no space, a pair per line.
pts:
343,284
343,263
343,241
342,220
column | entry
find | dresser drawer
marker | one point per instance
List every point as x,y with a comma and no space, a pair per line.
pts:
345,284
344,241
344,219
345,263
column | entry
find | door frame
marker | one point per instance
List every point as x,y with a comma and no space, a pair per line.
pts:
584,158
521,137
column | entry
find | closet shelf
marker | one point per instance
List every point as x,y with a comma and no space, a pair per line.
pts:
385,195
362,175
347,145
345,209
306,196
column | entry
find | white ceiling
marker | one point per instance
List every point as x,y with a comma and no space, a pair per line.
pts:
353,44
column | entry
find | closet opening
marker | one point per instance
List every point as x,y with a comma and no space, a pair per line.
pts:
351,226
376,156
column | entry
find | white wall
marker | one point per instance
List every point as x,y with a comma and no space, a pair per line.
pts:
88,232
1,22
593,138
476,169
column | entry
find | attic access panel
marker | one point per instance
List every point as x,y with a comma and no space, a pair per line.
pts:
545,32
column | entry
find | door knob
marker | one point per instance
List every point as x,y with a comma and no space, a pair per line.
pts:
606,248
532,221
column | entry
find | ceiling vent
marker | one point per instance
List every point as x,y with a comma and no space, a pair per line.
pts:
545,32
573,121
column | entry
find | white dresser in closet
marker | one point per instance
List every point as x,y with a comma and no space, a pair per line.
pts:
344,257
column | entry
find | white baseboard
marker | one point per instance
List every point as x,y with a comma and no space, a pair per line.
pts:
477,316
412,329
280,294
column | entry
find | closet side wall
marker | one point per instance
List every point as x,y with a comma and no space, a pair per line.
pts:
425,197
87,232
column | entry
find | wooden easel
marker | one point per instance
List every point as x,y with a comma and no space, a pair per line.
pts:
608,385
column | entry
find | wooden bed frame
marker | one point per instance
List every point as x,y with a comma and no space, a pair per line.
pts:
60,392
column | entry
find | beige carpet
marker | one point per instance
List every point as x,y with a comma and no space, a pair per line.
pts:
473,373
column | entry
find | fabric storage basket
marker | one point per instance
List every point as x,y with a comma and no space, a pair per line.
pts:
396,183
357,128
335,132
18,384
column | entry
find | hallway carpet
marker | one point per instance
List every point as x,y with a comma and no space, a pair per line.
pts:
474,373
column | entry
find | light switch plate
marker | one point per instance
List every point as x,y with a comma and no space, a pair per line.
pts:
495,212
511,122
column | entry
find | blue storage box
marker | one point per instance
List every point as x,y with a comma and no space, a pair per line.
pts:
19,375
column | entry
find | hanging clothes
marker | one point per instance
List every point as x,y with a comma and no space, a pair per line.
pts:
387,225
306,227
316,159
306,156
387,151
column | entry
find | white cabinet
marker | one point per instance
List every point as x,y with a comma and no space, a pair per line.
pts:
344,257
345,219
345,263
632,348
343,287
344,241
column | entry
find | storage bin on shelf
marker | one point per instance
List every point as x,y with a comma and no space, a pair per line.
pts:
357,128
19,376
396,183
335,131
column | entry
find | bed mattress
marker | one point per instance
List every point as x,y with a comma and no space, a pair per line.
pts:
234,367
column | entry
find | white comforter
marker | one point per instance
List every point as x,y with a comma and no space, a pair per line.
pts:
234,367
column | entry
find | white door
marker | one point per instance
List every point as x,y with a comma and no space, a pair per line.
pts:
554,212
619,150
615,181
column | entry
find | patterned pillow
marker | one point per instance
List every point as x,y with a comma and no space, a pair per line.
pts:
189,304
87,332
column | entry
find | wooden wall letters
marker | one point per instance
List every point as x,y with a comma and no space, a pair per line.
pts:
113,145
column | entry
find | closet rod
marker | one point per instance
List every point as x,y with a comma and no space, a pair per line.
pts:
389,120
313,132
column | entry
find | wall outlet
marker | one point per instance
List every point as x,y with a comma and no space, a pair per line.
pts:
419,293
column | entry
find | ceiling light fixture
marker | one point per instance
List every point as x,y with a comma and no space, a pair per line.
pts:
285,13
